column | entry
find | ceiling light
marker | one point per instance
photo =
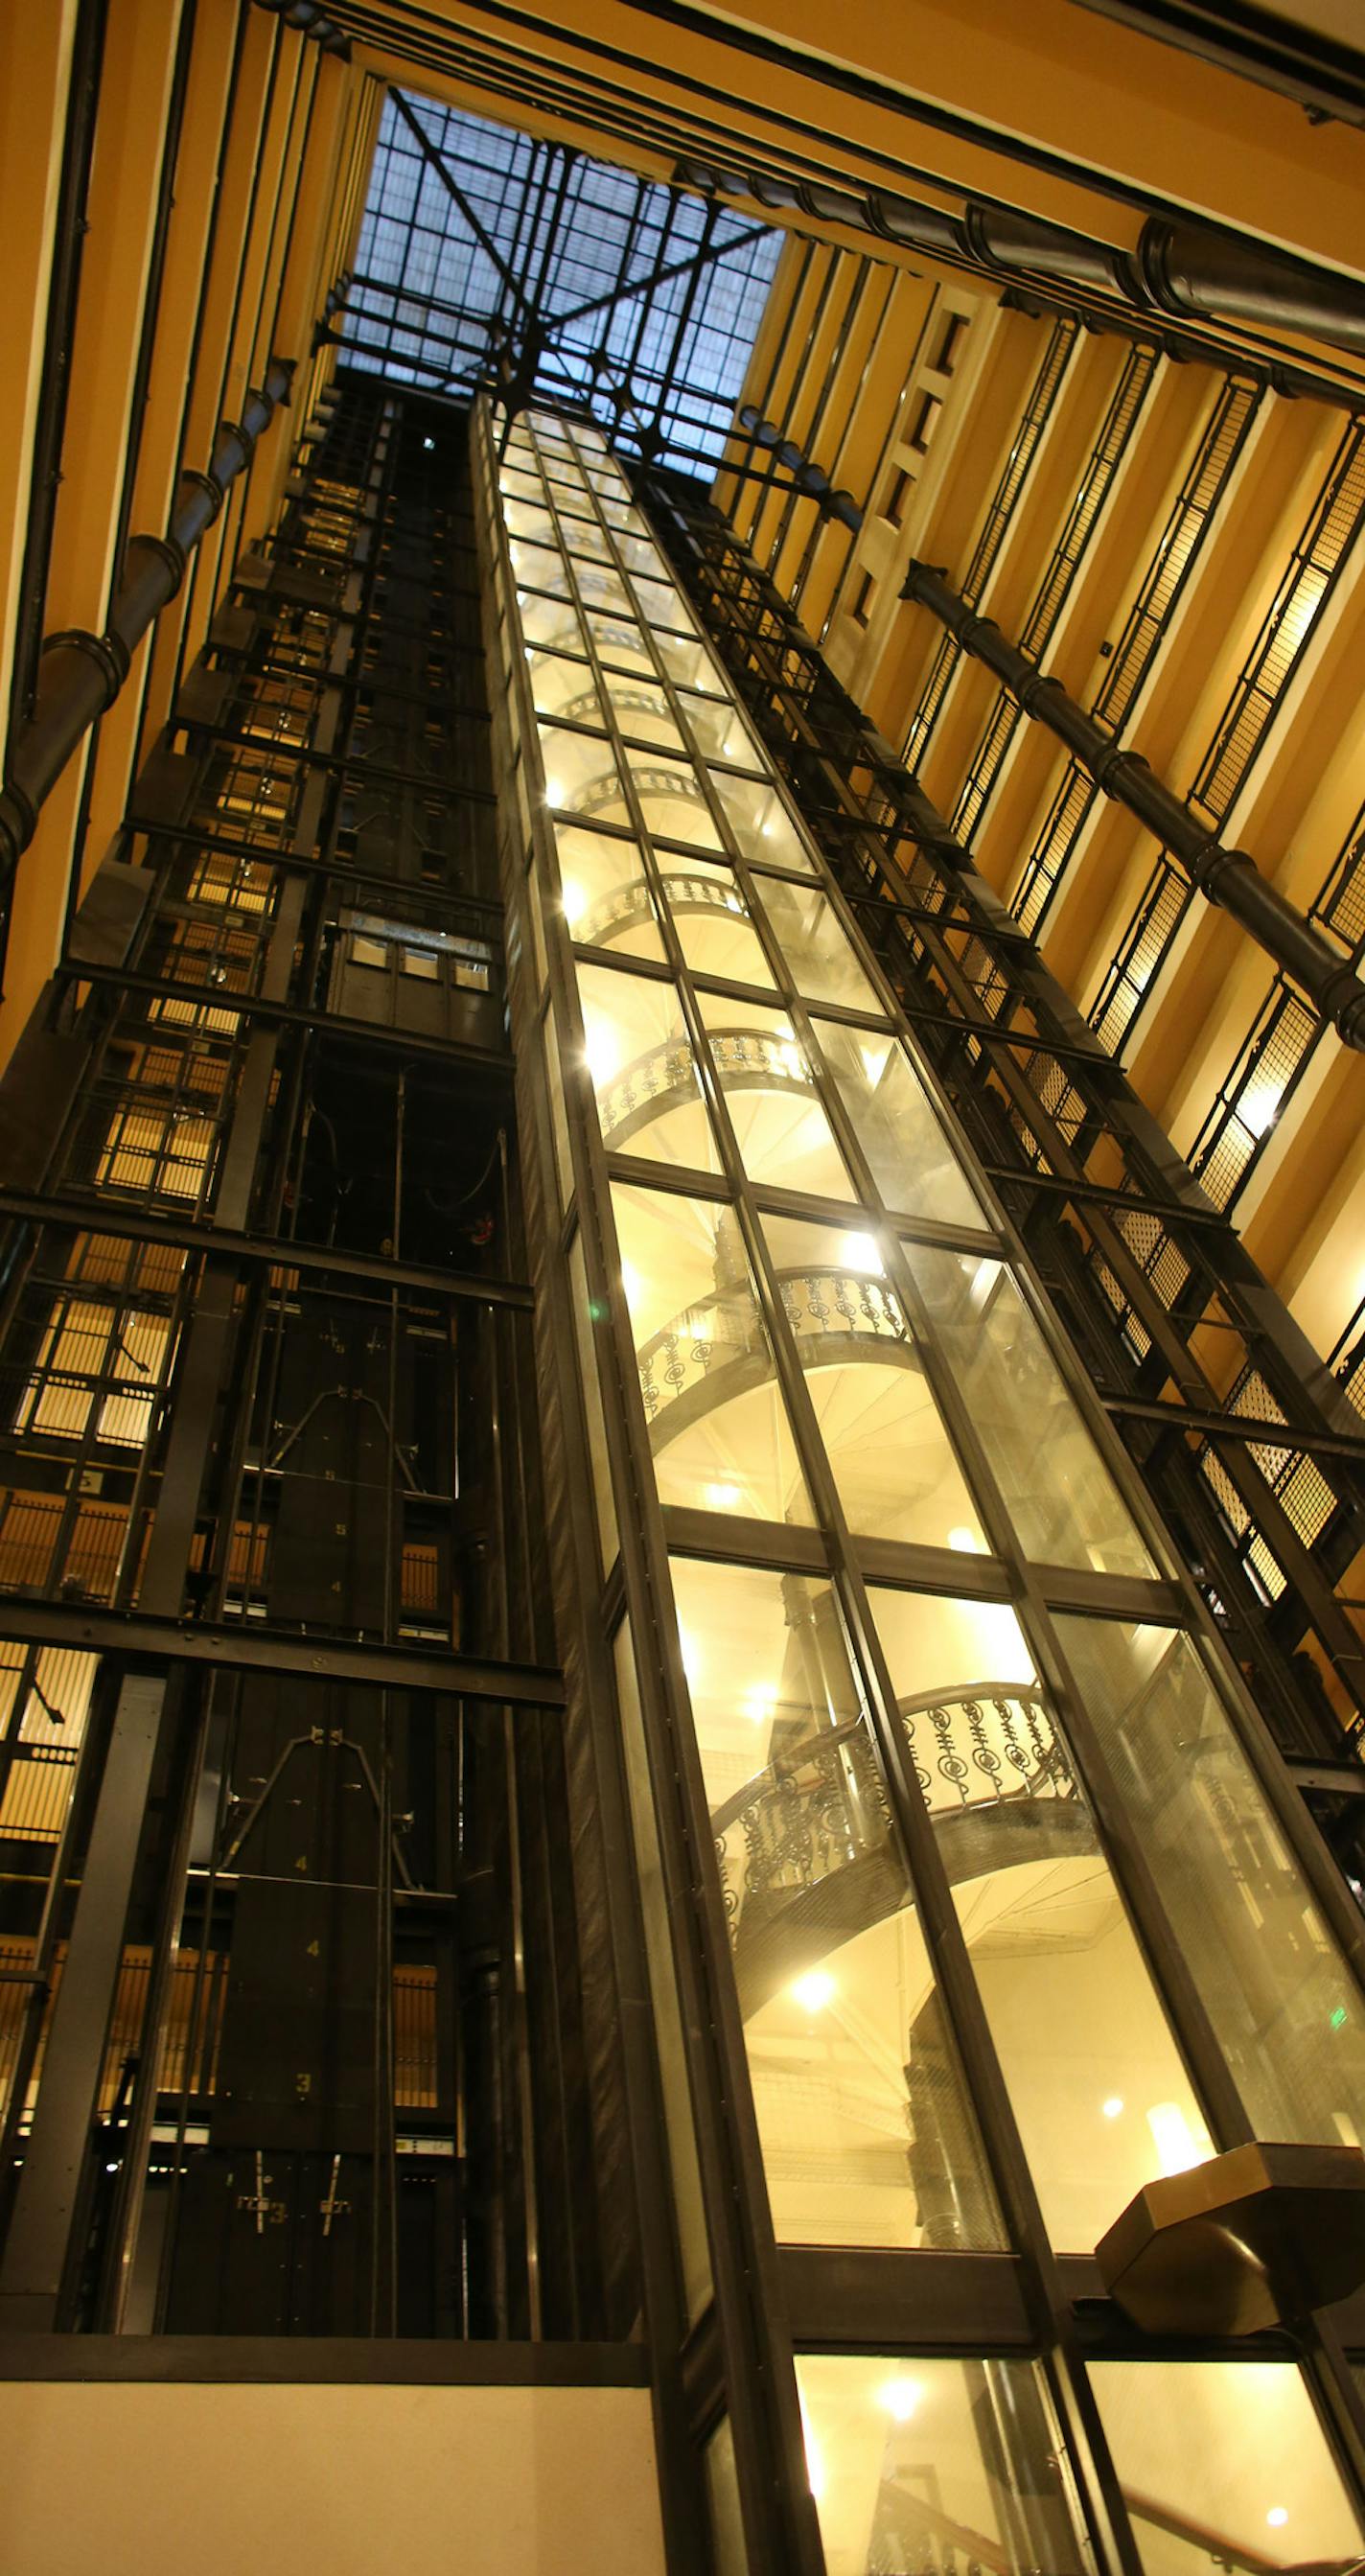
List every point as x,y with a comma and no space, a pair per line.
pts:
1278,2516
900,2398
722,1498
1113,2108
813,1991
861,1253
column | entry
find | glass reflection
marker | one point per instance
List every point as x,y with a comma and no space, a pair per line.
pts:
1281,2001
606,901
713,922
1098,2086
620,644
910,1158
891,1458
1063,1501
1224,2464
643,1070
763,829
819,953
781,1129
718,1430
866,2134
919,2466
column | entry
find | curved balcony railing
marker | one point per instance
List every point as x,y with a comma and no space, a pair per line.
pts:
804,1849
597,795
719,1349
628,905
665,1077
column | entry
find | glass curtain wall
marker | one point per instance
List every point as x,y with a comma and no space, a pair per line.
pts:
1009,1910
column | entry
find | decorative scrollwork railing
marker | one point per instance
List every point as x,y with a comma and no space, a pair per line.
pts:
627,905
718,1349
666,1076
804,1848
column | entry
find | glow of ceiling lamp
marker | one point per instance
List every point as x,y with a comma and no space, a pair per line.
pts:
760,1704
1113,2108
630,1281
861,1253
1178,2145
791,1060
554,791
574,900
966,1542
874,1062
1278,2516
815,2464
1259,1111
600,1054
813,1991
722,1498
899,2398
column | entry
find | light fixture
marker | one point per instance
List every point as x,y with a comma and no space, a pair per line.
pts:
1278,2516
965,1541
722,1498
899,2398
428,442
861,1253
1178,2145
601,1054
813,1991
1113,2108
760,1703
874,1063
554,791
574,900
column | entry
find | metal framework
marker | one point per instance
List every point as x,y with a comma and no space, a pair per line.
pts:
487,257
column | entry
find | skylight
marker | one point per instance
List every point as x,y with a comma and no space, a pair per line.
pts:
481,247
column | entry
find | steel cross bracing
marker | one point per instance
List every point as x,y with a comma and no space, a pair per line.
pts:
1148,1279
490,259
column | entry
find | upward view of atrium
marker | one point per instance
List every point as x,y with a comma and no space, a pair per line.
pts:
682,1321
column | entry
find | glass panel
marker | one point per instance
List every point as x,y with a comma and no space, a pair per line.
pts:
585,539
1063,1501
580,774
540,568
689,665
1223,2464
639,556
552,623
720,732
1288,2014
643,713
529,520
672,801
920,2466
643,1070
1098,2085
722,2490
866,2134
602,590
892,1460
819,954
763,829
714,925
668,2030
718,1429
607,903
911,1160
620,644
563,688
781,1129
583,1317
662,605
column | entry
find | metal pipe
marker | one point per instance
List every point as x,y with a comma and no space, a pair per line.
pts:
1179,269
1229,878
80,674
